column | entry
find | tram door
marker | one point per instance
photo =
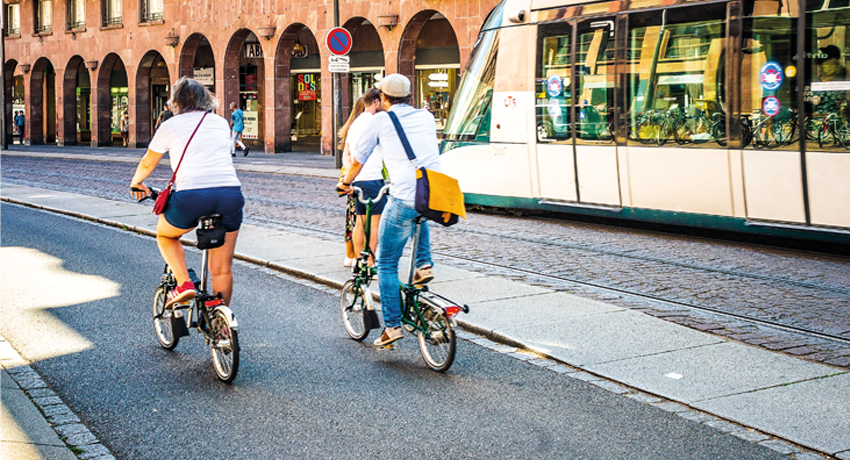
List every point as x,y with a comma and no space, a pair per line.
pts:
596,156
576,153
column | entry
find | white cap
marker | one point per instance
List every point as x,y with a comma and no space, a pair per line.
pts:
394,85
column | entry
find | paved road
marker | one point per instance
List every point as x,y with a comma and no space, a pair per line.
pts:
304,390
778,286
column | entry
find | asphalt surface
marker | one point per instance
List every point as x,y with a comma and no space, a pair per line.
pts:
304,390
626,267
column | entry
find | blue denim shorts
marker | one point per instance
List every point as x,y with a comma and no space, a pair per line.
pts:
370,190
187,206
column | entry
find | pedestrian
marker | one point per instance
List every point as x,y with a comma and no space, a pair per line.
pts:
397,222
237,125
164,115
370,179
125,128
20,123
206,184
350,207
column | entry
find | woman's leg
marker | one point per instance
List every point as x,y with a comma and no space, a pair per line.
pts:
168,240
221,267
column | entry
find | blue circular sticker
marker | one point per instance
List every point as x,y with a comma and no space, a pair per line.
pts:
771,76
554,86
771,106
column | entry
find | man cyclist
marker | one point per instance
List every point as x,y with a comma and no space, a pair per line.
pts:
397,222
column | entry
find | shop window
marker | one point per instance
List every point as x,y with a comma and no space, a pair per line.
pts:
76,14
44,17
827,79
112,12
676,77
152,10
13,24
768,89
435,88
475,93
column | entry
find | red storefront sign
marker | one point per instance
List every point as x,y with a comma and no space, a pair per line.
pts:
307,95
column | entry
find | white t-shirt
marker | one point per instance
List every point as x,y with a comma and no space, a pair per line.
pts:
373,169
208,162
380,136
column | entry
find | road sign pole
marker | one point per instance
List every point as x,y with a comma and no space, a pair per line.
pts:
337,102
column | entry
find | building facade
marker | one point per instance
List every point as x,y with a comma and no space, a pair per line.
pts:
74,66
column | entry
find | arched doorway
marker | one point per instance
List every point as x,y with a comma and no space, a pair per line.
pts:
297,73
19,102
152,92
42,103
7,88
76,103
244,83
112,99
197,61
366,61
429,55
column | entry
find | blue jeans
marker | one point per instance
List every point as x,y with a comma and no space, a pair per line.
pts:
396,228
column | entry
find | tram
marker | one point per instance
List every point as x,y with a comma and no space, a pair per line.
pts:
677,112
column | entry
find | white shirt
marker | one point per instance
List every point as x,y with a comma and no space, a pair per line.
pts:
373,168
208,162
380,135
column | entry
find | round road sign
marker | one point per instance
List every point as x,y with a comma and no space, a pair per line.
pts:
338,41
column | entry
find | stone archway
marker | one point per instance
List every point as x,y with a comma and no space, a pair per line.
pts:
42,103
297,50
197,53
152,88
429,49
366,60
108,104
244,83
68,112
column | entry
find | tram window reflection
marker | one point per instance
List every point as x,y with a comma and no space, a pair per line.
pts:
828,106
676,78
552,83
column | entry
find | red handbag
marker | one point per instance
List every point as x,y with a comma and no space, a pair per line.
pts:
162,200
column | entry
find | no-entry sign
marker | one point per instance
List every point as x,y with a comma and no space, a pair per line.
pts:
338,41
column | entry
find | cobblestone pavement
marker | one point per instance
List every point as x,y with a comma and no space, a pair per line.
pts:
667,271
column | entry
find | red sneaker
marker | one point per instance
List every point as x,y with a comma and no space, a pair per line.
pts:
182,293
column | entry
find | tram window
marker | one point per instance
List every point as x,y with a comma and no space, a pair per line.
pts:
828,82
552,83
469,119
676,76
768,95
596,78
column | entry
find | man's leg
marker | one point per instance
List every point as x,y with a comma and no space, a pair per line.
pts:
393,234
233,143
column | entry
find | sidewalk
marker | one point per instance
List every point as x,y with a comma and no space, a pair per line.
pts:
618,349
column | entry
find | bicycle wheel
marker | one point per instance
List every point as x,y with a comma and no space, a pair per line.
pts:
224,347
437,342
718,132
352,306
162,320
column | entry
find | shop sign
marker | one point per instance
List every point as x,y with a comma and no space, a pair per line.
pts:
554,86
771,106
252,125
771,76
253,50
204,76
305,84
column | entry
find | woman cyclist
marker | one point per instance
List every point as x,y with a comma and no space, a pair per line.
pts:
206,183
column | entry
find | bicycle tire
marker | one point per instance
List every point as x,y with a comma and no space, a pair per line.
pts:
718,132
224,347
437,340
162,320
352,307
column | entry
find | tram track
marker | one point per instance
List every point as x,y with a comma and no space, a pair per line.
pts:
615,290
802,295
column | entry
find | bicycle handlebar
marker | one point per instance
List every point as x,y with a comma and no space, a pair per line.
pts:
152,196
358,194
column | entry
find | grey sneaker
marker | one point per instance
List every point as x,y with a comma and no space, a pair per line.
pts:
422,275
390,335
